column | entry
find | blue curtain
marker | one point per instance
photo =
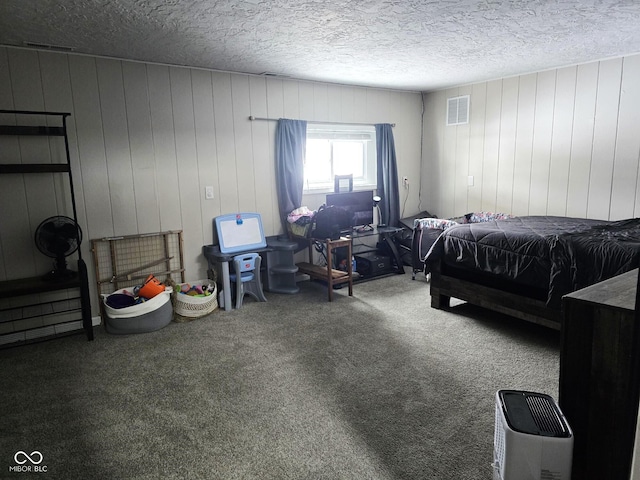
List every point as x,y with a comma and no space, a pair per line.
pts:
291,143
387,174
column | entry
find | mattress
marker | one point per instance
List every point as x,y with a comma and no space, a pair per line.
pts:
562,254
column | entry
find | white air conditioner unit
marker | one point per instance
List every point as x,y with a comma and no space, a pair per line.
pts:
532,439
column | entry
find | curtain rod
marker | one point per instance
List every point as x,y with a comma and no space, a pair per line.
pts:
251,117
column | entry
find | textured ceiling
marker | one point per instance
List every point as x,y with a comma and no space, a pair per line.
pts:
410,44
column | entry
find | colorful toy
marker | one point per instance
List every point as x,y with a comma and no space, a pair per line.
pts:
195,290
151,287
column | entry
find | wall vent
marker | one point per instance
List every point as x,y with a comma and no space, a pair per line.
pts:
47,46
274,74
458,110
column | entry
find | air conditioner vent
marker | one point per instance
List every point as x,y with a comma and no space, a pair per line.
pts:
545,416
47,46
533,414
458,110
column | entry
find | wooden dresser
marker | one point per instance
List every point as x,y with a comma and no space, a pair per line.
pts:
598,381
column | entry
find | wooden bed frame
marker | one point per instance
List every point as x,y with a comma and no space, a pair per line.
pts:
445,285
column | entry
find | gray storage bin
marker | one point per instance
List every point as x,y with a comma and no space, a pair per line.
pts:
152,315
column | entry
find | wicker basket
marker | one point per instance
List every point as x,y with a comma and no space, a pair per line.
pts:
296,230
187,307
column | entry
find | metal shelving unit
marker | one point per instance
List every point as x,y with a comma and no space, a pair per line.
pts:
26,286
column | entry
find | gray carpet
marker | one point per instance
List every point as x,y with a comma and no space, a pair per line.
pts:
377,386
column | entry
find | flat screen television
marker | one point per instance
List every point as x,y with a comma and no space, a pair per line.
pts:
359,204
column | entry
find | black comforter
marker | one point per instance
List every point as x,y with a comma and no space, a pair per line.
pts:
562,253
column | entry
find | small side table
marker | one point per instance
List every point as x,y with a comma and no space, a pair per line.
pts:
330,275
280,270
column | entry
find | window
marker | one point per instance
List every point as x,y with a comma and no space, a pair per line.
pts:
339,150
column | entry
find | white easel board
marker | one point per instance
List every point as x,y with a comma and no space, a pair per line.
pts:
240,232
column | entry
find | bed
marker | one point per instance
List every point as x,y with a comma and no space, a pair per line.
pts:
427,229
522,266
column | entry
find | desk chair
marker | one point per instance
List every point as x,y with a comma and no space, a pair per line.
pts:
246,277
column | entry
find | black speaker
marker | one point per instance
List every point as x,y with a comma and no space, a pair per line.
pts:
372,263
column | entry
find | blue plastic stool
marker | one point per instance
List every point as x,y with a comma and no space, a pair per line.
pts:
246,277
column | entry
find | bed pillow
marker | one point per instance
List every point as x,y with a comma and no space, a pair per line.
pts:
480,217
435,223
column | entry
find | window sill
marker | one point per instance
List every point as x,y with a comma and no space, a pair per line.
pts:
324,191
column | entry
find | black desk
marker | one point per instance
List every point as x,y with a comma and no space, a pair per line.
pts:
386,234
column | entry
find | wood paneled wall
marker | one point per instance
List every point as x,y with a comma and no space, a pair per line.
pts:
560,142
146,139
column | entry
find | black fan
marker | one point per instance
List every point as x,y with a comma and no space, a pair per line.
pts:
58,237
